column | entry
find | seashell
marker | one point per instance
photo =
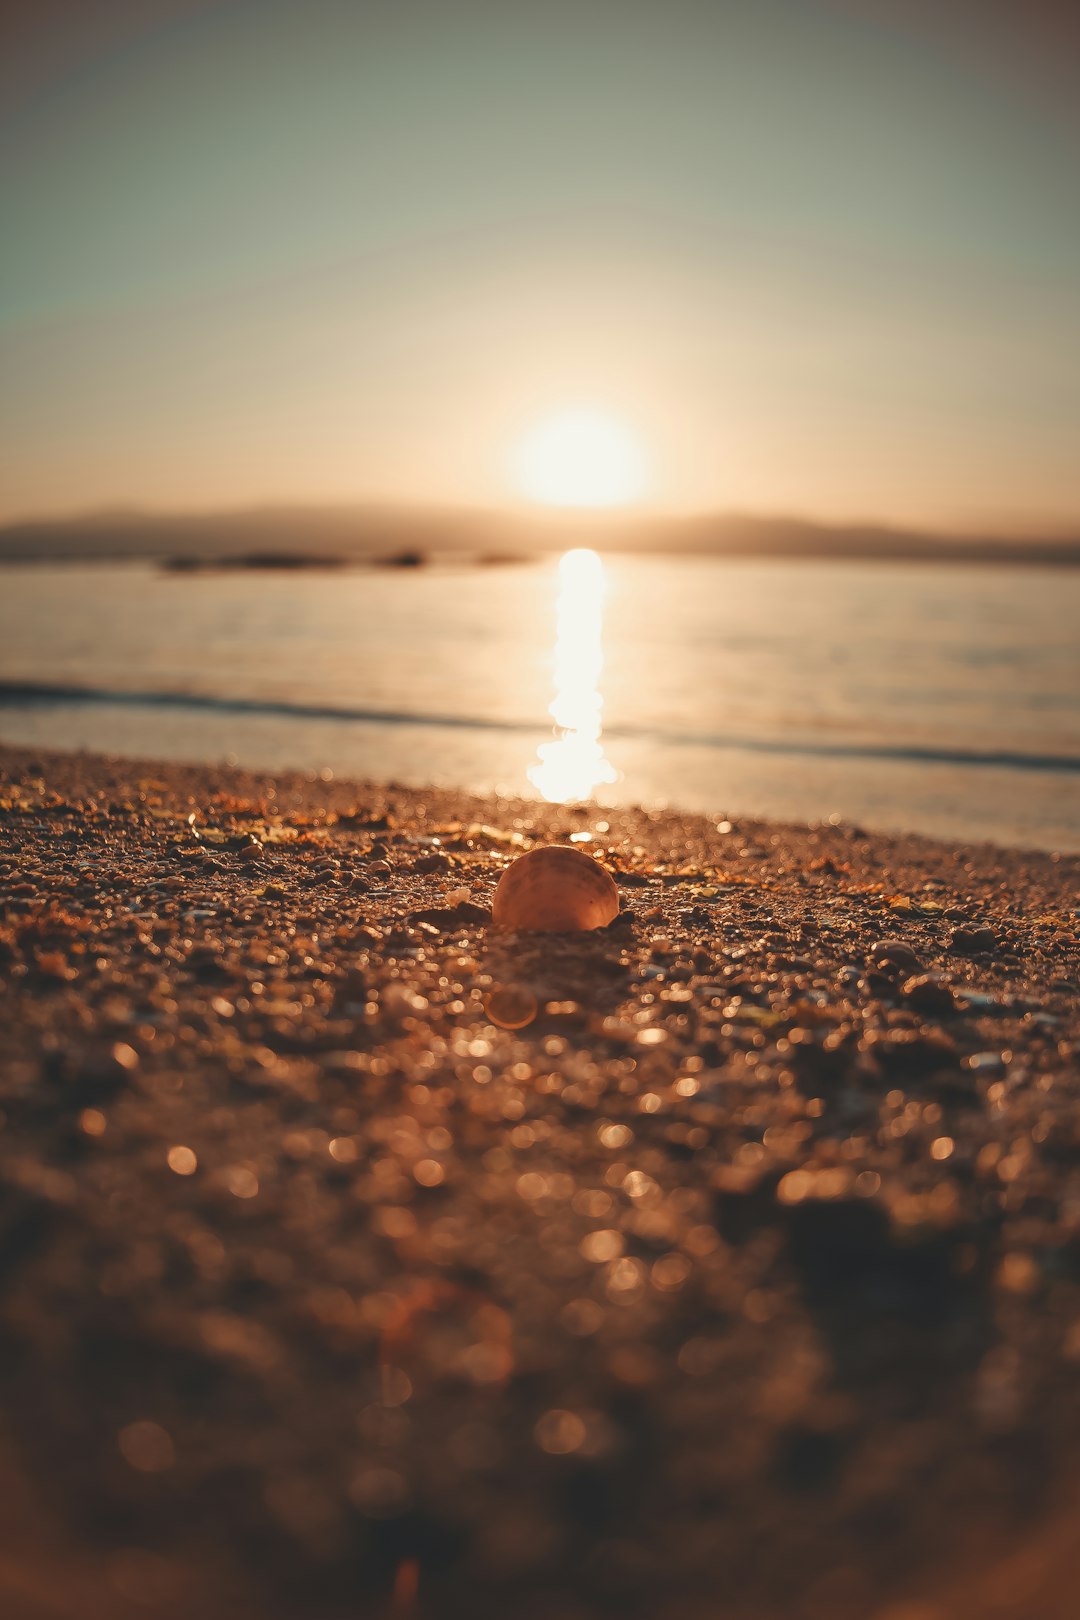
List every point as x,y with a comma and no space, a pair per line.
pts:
555,889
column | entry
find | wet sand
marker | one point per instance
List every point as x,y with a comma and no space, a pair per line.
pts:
741,1280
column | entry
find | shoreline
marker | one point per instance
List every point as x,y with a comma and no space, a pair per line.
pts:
748,1262
776,787
30,693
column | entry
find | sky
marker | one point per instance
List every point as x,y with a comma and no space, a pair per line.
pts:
818,257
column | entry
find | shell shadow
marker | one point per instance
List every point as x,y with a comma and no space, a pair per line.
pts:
552,982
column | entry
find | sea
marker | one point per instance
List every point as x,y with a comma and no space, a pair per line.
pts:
935,698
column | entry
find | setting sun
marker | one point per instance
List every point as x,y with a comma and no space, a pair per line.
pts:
581,457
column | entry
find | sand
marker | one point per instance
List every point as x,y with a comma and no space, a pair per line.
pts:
741,1280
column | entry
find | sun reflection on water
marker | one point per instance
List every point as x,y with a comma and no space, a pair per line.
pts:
573,766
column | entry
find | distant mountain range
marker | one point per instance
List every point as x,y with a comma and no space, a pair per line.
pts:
319,536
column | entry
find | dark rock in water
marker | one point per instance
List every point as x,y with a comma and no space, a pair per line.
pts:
193,562
404,559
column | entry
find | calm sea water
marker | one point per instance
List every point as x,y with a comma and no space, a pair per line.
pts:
942,699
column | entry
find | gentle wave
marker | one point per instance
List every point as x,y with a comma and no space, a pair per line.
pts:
20,693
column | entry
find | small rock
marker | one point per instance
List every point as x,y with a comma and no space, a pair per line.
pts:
895,953
929,994
464,914
103,1071
913,1051
970,938
54,967
845,1252
744,1199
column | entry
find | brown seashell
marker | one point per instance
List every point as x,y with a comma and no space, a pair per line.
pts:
555,890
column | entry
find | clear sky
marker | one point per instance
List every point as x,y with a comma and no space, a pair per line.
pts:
821,256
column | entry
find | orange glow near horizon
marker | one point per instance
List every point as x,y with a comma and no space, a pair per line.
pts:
573,766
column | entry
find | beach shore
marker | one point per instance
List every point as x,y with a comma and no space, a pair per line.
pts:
359,1259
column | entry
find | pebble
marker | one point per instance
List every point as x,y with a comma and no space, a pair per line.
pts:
101,1073
971,940
895,953
426,865
929,994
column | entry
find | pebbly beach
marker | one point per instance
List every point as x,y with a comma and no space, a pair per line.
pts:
359,1257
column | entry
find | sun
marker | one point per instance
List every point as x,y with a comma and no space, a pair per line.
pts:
581,457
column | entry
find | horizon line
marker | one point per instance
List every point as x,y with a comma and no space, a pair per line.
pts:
638,514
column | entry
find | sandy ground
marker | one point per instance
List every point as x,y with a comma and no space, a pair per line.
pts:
742,1280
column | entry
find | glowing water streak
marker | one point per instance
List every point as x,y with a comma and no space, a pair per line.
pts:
573,766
